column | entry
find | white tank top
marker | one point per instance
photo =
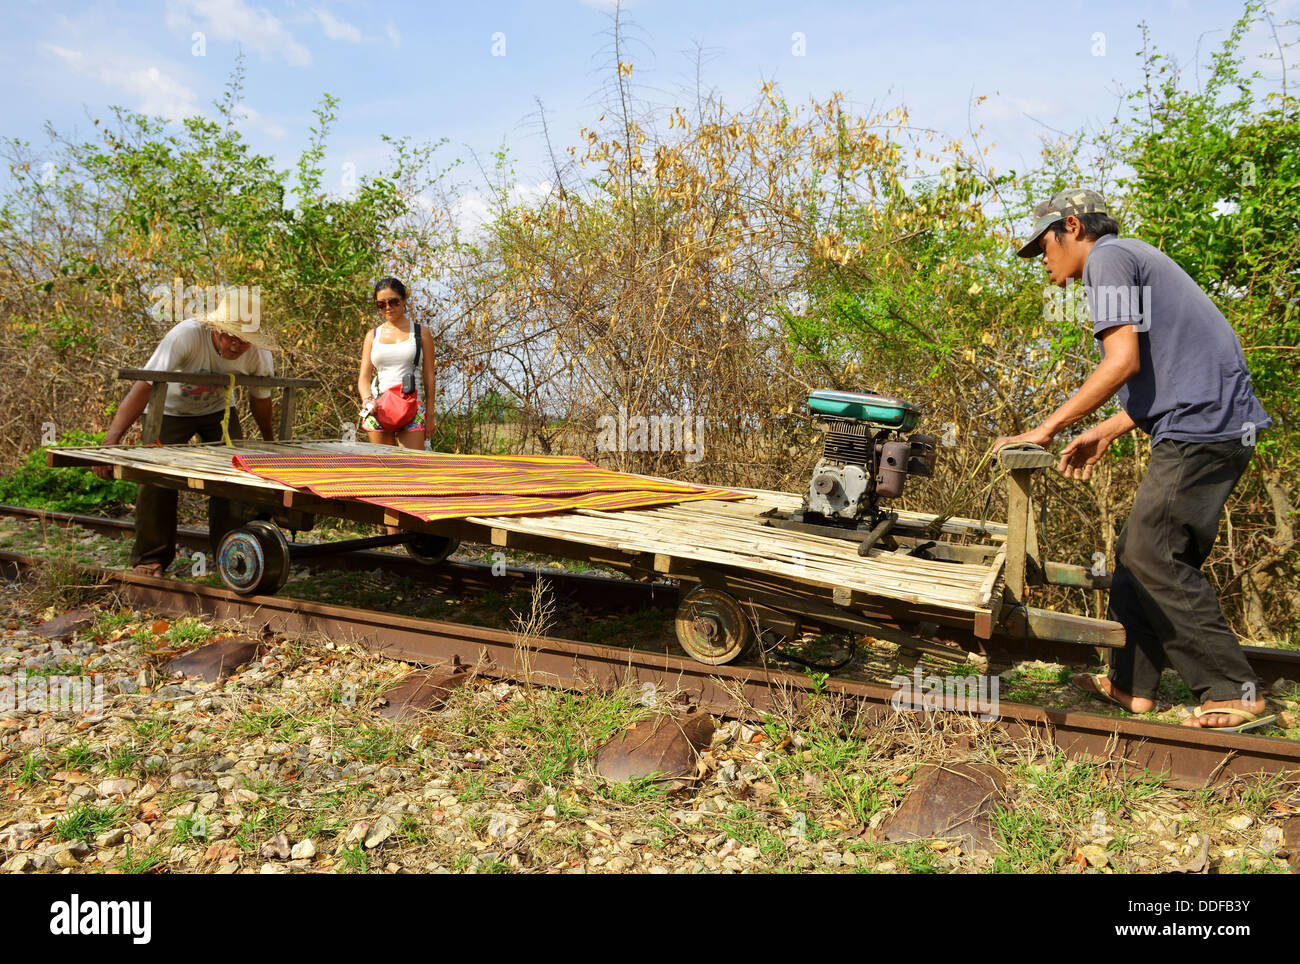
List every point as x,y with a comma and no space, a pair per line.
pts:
393,361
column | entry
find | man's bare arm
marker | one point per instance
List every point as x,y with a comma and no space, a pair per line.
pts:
262,416
135,402
1121,362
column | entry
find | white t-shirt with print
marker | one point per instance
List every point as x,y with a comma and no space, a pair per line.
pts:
189,349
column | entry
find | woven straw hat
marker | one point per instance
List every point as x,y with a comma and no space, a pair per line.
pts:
225,319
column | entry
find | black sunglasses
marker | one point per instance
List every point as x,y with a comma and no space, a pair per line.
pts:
387,303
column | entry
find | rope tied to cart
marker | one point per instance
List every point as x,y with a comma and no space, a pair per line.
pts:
225,416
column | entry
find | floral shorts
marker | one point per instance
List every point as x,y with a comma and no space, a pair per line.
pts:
371,424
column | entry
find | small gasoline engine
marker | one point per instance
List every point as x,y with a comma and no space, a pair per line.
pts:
864,459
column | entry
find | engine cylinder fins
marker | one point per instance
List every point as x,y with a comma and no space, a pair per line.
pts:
712,627
847,441
254,559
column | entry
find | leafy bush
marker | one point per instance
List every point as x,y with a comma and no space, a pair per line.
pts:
38,486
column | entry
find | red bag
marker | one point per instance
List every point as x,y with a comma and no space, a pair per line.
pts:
394,409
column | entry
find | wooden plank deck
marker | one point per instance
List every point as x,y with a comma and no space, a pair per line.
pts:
706,533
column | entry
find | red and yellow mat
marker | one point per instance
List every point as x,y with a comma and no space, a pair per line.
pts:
433,486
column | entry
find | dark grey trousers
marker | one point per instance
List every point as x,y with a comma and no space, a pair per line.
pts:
1169,609
155,507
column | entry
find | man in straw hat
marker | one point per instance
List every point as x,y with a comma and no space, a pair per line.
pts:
1182,379
218,342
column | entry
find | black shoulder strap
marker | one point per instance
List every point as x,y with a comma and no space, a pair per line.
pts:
418,346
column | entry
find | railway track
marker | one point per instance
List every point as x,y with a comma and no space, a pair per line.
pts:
1185,756
596,591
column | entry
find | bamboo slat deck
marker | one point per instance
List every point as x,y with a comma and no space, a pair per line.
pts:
706,533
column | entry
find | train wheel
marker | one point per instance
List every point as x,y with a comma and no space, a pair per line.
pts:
430,549
254,559
712,627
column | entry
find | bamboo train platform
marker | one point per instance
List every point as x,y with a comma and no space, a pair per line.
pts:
747,577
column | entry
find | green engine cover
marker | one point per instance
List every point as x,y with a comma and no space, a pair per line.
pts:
877,409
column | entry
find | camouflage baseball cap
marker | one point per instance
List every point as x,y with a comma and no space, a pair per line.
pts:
1076,201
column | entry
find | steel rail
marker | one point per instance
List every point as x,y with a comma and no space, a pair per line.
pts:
1184,756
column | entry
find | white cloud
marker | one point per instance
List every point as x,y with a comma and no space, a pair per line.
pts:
472,210
393,34
337,29
151,91
260,122
235,20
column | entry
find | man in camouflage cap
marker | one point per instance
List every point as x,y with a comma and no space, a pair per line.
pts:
1077,201
1181,377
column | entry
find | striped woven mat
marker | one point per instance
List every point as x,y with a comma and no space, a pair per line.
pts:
433,486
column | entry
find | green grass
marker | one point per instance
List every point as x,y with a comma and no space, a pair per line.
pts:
253,831
154,728
27,770
106,622
87,822
67,667
371,744
475,788
123,760
322,826
743,825
352,860
151,860
189,829
633,792
413,830
1031,842
276,723
555,730
189,632
77,756
917,858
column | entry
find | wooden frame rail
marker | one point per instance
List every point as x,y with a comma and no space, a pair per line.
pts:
160,380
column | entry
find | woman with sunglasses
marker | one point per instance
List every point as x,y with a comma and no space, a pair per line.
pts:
386,356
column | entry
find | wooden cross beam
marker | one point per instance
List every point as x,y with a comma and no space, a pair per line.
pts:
160,380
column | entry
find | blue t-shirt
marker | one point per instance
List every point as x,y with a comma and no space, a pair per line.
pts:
1194,385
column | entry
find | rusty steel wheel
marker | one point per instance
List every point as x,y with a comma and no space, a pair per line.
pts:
712,627
430,549
254,559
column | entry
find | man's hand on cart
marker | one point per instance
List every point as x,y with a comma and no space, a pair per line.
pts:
1038,436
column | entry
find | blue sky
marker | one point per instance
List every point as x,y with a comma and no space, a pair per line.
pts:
428,70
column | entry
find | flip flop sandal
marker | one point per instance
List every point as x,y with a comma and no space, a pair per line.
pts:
1095,690
1253,720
